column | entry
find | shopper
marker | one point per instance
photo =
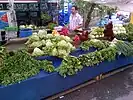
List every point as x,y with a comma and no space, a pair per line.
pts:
75,21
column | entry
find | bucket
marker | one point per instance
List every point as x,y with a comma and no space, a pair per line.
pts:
25,33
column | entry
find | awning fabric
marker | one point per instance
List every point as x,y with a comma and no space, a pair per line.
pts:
20,1
124,5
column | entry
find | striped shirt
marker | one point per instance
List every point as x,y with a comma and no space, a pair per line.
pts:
75,20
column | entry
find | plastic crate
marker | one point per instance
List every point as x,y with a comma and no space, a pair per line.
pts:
25,33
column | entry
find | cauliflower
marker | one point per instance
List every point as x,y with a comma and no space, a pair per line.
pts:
37,52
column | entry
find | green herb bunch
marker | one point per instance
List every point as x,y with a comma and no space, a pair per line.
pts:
70,66
129,31
97,57
126,48
18,66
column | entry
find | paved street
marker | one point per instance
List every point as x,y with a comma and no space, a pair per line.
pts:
116,87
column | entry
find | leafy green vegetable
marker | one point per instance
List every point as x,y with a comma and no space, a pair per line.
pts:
124,48
128,36
70,66
96,57
94,43
18,66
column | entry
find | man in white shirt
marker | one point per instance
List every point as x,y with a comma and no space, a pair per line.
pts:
75,21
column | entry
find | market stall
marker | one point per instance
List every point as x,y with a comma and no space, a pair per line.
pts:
52,58
52,62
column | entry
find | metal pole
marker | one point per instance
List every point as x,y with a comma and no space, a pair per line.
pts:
11,4
13,14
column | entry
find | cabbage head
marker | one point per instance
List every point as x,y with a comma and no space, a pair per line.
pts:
42,34
22,26
34,38
36,44
62,43
35,33
54,52
37,52
49,44
43,42
49,36
68,39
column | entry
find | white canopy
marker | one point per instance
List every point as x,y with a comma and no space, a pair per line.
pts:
125,5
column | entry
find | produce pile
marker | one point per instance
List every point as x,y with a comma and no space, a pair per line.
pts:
126,33
97,32
50,44
25,66
19,65
33,27
120,31
98,44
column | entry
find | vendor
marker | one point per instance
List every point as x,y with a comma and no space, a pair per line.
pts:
75,21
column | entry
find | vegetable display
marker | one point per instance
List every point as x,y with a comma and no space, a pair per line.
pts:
28,26
96,57
70,66
119,29
129,30
120,32
18,66
97,32
126,34
21,65
50,44
124,48
94,43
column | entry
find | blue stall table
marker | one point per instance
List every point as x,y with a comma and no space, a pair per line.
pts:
44,85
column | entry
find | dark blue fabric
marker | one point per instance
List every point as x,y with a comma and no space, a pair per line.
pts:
80,51
44,84
55,60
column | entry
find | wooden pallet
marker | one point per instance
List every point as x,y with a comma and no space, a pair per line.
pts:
98,78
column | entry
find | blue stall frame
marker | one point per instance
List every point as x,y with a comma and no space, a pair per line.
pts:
44,85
